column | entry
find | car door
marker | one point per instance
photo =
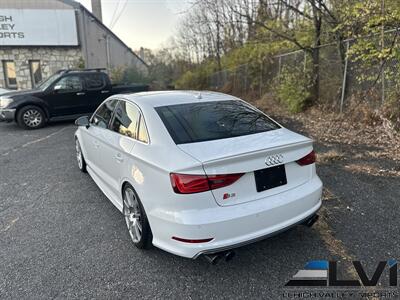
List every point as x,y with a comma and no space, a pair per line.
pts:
96,89
99,122
117,143
67,97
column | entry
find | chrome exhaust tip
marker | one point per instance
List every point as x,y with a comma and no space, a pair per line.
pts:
213,258
216,257
311,221
229,255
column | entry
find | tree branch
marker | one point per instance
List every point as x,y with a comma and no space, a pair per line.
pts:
295,9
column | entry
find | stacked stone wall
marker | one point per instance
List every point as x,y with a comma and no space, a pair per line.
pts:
51,59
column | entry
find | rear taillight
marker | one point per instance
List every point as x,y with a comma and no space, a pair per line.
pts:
219,181
189,184
308,159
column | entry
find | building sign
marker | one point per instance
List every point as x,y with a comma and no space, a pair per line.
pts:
38,27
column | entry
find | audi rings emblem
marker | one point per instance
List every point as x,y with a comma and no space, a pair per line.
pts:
273,160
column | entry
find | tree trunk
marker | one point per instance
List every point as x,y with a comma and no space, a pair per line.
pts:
218,46
315,76
315,53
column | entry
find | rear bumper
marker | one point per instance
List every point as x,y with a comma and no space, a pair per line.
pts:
7,115
237,225
241,244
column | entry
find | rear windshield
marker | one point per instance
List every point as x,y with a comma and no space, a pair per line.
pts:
206,121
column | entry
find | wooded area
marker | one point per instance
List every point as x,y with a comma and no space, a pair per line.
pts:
218,35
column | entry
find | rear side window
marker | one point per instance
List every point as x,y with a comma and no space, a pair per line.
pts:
126,119
94,81
103,114
143,136
205,121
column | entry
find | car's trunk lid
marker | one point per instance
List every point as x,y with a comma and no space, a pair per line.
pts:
249,153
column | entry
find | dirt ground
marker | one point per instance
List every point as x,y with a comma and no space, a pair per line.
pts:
359,165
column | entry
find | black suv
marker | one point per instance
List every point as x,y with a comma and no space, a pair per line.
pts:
65,95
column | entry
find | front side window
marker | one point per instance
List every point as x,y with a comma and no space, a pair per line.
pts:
36,72
48,81
205,121
10,74
103,114
94,81
126,119
69,84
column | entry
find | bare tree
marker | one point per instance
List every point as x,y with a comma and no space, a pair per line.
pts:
284,18
211,28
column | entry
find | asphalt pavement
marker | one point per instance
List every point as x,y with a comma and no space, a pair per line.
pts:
61,238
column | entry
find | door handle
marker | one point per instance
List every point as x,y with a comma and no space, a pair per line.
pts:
119,157
80,93
105,92
96,144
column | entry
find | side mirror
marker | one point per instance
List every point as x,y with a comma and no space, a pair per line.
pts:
57,88
82,121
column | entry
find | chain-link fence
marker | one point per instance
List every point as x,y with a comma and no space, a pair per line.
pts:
343,78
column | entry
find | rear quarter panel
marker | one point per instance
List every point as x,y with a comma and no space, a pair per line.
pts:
149,171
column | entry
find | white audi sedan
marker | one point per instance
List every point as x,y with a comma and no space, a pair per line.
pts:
198,173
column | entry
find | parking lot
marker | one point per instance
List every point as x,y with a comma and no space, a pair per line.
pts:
60,237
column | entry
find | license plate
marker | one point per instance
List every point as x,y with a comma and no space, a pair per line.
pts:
270,178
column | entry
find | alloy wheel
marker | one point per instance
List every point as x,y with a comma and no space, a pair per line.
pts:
132,215
79,157
32,118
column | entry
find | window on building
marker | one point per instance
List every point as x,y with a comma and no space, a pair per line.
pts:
10,74
36,72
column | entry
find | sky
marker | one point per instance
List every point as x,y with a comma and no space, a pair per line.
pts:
142,23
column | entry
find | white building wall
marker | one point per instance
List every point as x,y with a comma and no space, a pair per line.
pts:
98,46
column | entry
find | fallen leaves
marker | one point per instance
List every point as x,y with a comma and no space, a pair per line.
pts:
332,128
372,170
329,156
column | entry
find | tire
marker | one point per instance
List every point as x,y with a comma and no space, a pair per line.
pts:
136,219
31,117
79,157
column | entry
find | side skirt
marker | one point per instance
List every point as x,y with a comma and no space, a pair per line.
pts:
105,191
68,117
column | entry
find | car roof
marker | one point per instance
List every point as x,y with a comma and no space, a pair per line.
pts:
163,98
